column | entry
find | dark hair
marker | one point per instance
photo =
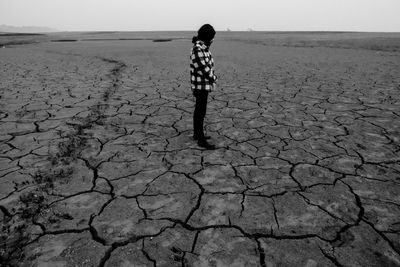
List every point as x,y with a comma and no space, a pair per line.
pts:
206,33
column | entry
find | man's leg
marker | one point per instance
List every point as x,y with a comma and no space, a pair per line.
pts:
199,113
198,119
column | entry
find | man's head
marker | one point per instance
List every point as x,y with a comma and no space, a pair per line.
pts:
206,33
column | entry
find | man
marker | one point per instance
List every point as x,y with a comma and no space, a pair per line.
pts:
202,80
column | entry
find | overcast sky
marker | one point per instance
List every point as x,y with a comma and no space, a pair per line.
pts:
269,15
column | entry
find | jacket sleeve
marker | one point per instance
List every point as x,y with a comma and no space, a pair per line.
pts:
202,65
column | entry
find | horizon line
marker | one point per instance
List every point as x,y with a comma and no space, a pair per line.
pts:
249,31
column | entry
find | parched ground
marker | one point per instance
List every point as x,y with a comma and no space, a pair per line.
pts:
98,167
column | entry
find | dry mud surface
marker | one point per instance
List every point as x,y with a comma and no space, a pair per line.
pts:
98,167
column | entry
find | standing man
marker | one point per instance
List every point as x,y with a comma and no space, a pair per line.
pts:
202,79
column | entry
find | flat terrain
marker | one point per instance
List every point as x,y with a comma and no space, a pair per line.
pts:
98,167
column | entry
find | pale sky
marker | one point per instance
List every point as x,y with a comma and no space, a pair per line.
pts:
267,15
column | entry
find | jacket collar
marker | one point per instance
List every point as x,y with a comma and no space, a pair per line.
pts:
201,44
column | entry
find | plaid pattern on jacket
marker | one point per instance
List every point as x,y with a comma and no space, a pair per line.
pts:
202,75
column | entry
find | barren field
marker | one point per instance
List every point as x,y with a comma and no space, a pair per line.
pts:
98,166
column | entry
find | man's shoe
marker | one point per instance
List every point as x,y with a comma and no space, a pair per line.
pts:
203,143
206,137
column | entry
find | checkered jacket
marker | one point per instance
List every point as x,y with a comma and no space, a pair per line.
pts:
202,75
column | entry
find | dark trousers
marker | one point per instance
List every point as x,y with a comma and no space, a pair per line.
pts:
199,112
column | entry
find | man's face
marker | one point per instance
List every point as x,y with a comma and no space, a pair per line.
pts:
208,43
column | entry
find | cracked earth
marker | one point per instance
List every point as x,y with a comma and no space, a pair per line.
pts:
98,167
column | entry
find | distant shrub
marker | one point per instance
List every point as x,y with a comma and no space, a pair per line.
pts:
162,40
65,40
